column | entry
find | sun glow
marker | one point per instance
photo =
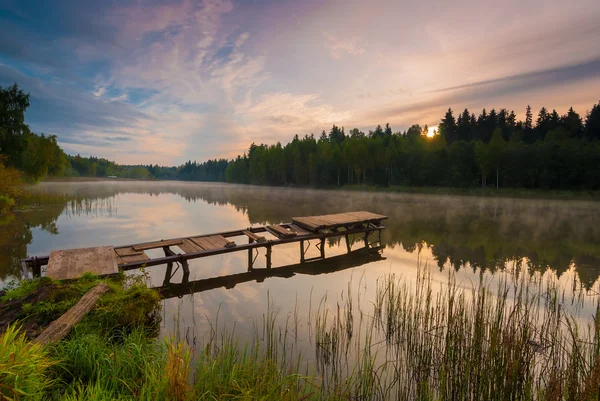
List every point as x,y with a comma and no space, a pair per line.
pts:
431,131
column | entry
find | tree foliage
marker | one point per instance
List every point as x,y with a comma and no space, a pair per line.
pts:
557,152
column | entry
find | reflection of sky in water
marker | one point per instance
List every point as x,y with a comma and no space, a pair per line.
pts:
137,217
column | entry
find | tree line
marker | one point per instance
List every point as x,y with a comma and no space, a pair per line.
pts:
548,151
494,148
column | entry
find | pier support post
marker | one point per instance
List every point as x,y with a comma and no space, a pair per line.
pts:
348,243
268,256
186,271
322,248
168,274
36,268
301,251
250,255
380,244
367,239
25,271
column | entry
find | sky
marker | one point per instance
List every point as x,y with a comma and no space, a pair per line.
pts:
163,82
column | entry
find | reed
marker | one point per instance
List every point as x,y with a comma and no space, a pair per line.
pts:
520,339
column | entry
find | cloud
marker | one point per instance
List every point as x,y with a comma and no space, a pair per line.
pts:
164,82
340,47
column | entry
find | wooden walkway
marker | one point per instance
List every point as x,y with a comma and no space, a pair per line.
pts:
107,260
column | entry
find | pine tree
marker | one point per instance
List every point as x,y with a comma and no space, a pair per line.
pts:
448,127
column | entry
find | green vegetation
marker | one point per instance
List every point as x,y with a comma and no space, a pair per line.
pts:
469,151
516,342
559,152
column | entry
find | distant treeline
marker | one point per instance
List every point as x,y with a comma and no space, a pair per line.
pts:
550,151
557,152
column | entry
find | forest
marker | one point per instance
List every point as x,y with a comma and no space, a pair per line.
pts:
491,149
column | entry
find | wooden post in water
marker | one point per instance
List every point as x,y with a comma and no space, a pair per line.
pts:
250,255
367,239
269,256
36,268
322,248
348,243
301,251
169,272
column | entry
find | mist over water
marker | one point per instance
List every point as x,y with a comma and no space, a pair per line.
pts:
480,239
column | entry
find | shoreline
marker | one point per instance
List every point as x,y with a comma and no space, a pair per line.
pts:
518,193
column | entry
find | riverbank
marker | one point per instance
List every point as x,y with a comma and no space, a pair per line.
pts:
412,343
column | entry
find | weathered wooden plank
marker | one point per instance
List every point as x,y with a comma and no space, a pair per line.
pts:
73,263
127,251
280,231
227,243
315,223
299,230
253,236
142,257
205,242
189,246
59,328
156,244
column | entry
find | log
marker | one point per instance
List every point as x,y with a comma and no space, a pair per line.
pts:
59,328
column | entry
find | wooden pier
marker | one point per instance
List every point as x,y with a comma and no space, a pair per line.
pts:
107,260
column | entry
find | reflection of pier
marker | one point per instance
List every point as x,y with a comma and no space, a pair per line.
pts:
330,265
107,260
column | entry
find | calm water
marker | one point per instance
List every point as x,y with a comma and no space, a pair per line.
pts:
479,238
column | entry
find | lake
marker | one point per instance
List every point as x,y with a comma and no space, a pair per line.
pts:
477,239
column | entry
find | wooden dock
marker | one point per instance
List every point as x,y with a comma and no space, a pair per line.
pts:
107,260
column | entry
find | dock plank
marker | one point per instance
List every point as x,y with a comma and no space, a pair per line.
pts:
142,257
208,242
280,232
328,221
156,244
253,236
188,246
129,251
299,230
73,263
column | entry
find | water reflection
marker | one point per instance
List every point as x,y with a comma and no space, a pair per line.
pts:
323,266
482,234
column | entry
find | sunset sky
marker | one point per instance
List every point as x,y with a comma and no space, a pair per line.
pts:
167,81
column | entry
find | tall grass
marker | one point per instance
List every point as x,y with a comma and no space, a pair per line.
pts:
23,367
522,339
516,342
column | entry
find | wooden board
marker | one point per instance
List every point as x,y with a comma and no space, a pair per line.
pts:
188,246
253,236
156,244
59,328
213,242
299,230
280,232
74,263
328,221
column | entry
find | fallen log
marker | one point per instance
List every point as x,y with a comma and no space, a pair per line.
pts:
59,328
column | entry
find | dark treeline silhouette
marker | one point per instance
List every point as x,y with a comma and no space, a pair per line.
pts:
550,152
20,148
547,151
212,170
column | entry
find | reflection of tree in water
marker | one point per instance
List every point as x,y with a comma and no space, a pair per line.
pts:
15,229
484,233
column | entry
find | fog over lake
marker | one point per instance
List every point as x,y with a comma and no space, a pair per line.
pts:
476,238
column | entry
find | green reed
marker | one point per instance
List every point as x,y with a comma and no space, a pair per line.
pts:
521,339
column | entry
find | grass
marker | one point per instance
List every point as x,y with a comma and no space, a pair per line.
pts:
413,342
